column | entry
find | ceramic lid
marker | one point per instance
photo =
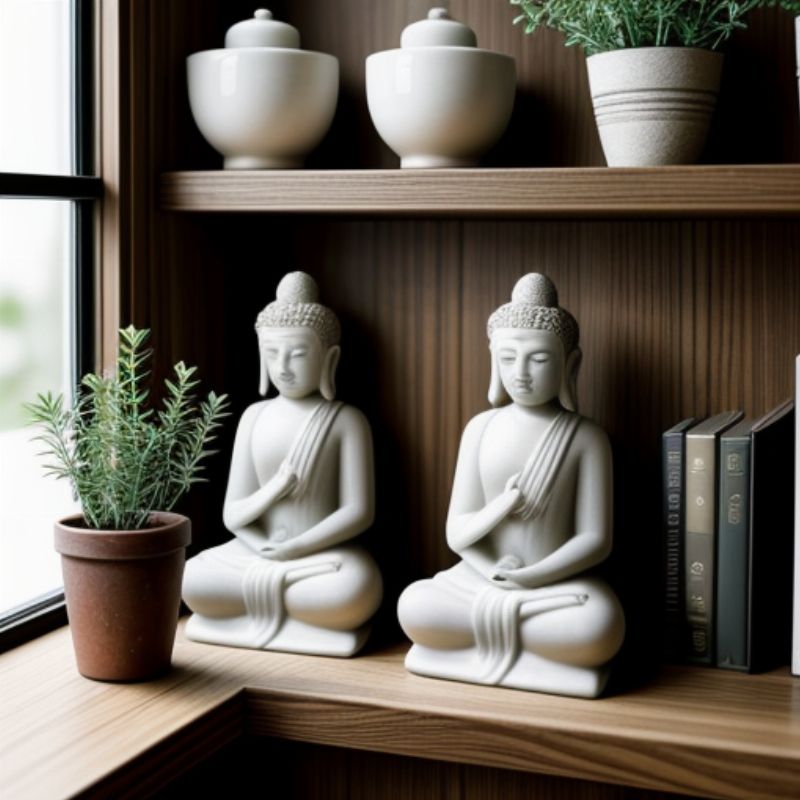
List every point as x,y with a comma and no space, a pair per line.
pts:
262,31
438,30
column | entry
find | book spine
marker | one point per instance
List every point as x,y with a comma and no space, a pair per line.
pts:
733,561
796,604
673,447
699,541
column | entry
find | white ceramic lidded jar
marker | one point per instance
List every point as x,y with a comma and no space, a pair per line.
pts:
439,100
262,101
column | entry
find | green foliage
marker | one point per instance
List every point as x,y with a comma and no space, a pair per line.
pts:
602,25
792,6
123,458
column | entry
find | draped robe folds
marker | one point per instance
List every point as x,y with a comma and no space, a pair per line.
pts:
264,581
496,612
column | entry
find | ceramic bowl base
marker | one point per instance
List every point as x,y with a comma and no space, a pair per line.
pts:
260,162
436,162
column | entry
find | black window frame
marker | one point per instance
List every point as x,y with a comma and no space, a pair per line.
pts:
84,188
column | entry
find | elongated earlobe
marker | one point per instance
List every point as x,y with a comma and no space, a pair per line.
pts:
327,384
568,394
263,384
497,392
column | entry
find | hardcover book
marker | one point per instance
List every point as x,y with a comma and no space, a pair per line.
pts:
754,550
796,623
733,545
673,452
702,443
771,535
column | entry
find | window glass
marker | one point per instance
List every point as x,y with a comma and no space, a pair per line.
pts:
36,355
35,77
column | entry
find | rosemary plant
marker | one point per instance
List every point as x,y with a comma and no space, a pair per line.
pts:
792,6
602,25
124,459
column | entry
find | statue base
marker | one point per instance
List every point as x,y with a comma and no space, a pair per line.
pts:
293,637
529,672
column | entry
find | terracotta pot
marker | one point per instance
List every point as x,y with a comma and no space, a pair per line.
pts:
123,592
653,105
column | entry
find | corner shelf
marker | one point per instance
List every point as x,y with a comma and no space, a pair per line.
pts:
691,730
692,191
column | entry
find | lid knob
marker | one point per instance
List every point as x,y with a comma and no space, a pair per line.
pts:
262,31
438,30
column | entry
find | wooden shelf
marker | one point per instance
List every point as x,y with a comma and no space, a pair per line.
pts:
758,190
701,732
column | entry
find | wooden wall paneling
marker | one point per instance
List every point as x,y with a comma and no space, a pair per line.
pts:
553,122
109,81
757,116
677,319
397,291
172,270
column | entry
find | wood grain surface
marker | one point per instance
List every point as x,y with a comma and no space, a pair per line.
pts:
706,732
678,317
591,192
334,773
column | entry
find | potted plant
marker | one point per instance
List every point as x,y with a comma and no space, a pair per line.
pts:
129,464
654,69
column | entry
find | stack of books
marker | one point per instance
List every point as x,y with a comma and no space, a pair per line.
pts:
728,536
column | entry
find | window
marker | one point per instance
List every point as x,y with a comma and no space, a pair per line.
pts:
47,198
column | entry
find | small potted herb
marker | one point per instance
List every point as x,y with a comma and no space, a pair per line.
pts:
654,68
129,464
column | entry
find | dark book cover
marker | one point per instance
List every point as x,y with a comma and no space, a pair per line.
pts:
673,452
796,621
771,540
733,546
702,446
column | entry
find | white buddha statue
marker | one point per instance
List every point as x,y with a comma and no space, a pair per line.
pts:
530,515
301,486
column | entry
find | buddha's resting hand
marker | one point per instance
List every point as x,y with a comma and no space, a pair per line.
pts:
519,577
279,550
505,565
581,552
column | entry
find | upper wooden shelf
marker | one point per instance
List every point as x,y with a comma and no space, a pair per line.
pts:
695,731
695,191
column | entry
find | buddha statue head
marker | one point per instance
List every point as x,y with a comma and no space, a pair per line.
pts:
298,340
534,347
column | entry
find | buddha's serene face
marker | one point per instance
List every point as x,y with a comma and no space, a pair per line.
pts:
531,364
294,360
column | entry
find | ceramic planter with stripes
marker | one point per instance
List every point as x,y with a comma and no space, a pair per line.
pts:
653,105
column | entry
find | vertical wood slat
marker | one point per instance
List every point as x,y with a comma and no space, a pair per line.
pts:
677,319
416,294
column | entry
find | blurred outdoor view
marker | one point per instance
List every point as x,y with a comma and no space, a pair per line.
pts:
35,286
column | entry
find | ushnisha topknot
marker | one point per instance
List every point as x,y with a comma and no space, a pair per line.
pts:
534,305
296,306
